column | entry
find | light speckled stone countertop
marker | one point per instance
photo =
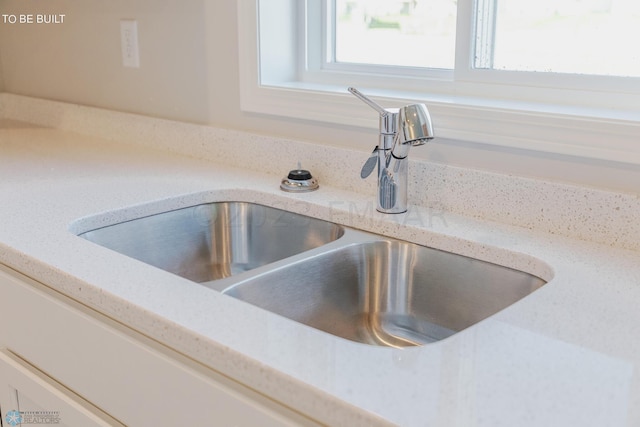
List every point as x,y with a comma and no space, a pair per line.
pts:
566,355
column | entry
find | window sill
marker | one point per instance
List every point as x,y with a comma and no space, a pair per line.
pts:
583,132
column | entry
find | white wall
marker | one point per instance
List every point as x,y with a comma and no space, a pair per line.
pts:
80,60
189,71
1,79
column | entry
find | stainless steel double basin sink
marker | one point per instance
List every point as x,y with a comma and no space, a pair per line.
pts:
356,285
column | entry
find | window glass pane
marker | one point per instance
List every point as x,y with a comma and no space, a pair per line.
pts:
416,33
567,36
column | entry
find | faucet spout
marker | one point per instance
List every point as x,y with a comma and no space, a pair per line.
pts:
415,125
400,129
414,128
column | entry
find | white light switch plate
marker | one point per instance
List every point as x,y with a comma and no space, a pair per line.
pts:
129,43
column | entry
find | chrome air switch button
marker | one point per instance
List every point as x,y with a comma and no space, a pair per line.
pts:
299,181
299,175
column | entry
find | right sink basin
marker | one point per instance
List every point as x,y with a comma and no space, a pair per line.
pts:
387,292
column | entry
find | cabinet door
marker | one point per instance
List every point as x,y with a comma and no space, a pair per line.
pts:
125,374
30,397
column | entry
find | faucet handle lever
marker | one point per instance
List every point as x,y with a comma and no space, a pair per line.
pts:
370,164
388,116
369,102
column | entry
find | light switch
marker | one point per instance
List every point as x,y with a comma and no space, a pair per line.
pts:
129,43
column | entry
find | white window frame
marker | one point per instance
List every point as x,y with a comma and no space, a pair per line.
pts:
500,108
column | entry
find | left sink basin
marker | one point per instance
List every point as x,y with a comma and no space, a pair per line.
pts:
216,240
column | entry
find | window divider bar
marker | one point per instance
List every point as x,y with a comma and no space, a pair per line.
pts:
329,28
485,33
312,56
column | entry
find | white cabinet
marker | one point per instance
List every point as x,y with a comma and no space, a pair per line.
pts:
30,397
103,369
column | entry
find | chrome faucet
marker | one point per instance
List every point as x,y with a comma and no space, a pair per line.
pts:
400,129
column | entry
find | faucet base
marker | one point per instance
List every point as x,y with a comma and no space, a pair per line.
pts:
391,211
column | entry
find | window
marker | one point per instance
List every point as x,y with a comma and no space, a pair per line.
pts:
395,33
564,36
561,76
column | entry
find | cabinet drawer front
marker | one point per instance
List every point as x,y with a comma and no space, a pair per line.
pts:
129,377
32,394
